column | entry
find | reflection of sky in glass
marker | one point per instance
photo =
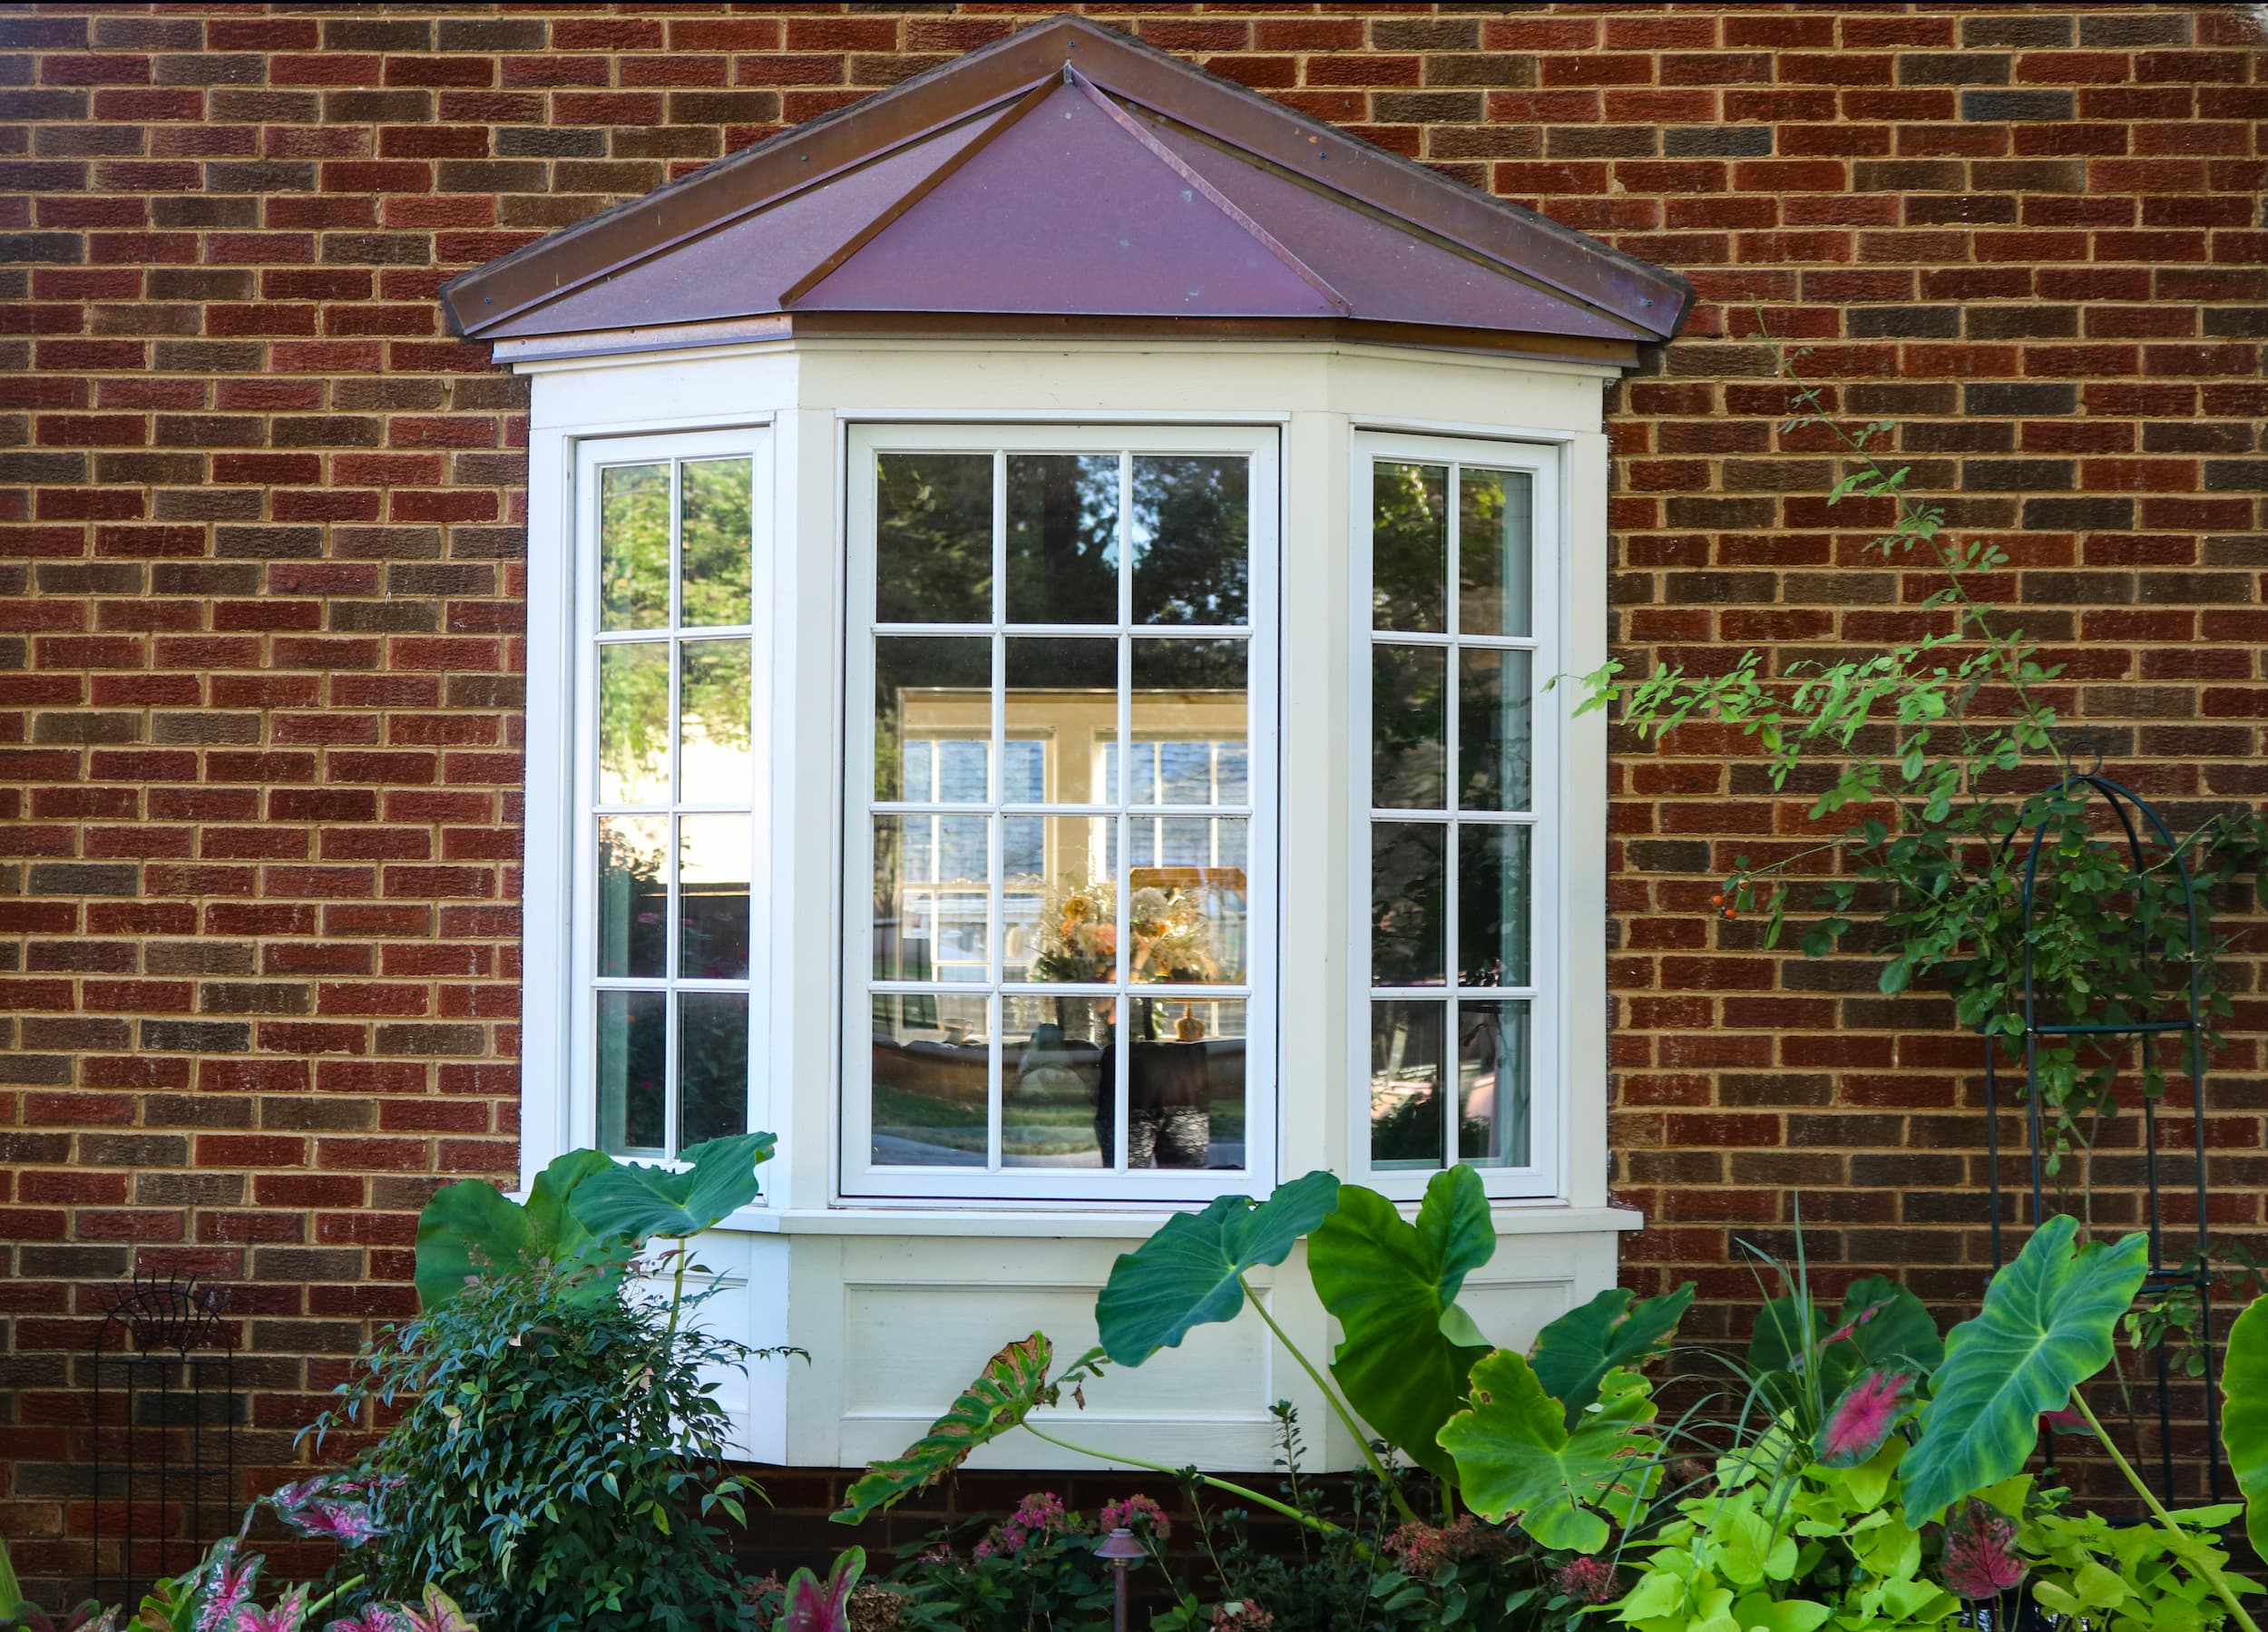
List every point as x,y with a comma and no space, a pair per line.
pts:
1023,772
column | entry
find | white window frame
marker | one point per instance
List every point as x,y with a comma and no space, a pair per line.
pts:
858,1178
560,1056
1553,992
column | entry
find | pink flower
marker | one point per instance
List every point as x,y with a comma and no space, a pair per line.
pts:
1135,1513
1241,1615
1038,1516
1588,1581
1859,1422
1980,1560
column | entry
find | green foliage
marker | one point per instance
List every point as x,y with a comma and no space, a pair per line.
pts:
2048,1325
2245,1416
552,1459
2170,1316
469,1228
1392,1287
630,1201
1516,1456
1802,1362
1574,1354
11,1594
1191,1272
2140,1578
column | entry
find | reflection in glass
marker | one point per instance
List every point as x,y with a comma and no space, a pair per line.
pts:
1492,877
1190,713
932,1067
712,1065
632,1060
633,896
1059,901
933,538
634,546
715,542
1063,695
1187,917
714,707
1409,547
634,723
932,718
1062,538
1191,539
1056,1060
932,897
713,865
1493,1087
1495,716
1405,1084
1185,1089
1405,904
1409,752
1495,564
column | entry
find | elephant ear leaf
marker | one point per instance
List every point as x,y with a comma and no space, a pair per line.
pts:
1011,1382
1191,1272
1885,1324
466,1229
639,1203
553,1230
1392,1287
2245,1416
2046,1327
1516,1456
1572,1354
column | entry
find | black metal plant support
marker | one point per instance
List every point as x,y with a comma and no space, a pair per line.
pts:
164,1342
2140,822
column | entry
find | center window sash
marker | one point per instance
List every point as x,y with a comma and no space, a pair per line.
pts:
1061,823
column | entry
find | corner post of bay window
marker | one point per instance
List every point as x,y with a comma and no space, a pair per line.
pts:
547,1095
1585,812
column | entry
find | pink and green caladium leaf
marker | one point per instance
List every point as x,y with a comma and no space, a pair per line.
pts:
1980,1557
1863,1416
1392,1287
1012,1382
1574,1352
816,1605
2048,1324
2245,1416
1517,1458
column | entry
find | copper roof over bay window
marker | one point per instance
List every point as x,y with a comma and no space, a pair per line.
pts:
1070,180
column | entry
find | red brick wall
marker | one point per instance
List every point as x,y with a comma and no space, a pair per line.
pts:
261,541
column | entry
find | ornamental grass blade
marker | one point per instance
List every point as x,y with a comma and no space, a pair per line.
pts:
1004,1392
1516,1456
1864,1416
1191,1272
2245,1416
2048,1325
641,1202
1392,1287
1572,1355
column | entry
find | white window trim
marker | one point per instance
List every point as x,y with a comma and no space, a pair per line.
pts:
1556,982
861,1182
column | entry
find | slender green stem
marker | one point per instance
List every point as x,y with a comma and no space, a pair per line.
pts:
2204,1566
323,1603
677,1293
1362,1437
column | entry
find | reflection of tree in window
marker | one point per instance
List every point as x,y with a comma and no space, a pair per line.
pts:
1191,527
933,538
1062,538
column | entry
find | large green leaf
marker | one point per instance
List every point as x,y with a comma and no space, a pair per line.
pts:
2245,1416
468,1229
1572,1355
1516,1454
1880,1325
641,1202
1392,1287
1011,1382
1192,1270
2046,1327
554,1229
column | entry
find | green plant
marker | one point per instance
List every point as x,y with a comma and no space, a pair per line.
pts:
2132,1578
1517,1457
2245,1416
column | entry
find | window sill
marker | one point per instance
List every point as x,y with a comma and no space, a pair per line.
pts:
1064,1224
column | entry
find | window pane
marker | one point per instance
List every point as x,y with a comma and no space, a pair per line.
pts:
713,865
1409,754
1185,1090
715,542
931,1067
1492,1084
634,546
1063,698
634,723
1062,909
1057,1066
633,896
1409,548
1186,913
1495,550
1062,538
1495,728
713,705
932,718
712,1065
1493,875
632,1051
1189,712
1191,536
1405,1085
1405,904
933,538
932,898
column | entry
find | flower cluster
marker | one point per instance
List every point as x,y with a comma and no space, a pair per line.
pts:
1420,1548
1038,1516
1588,1581
1241,1615
1139,1514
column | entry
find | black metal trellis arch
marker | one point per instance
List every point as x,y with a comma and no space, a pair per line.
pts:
2136,818
163,1341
